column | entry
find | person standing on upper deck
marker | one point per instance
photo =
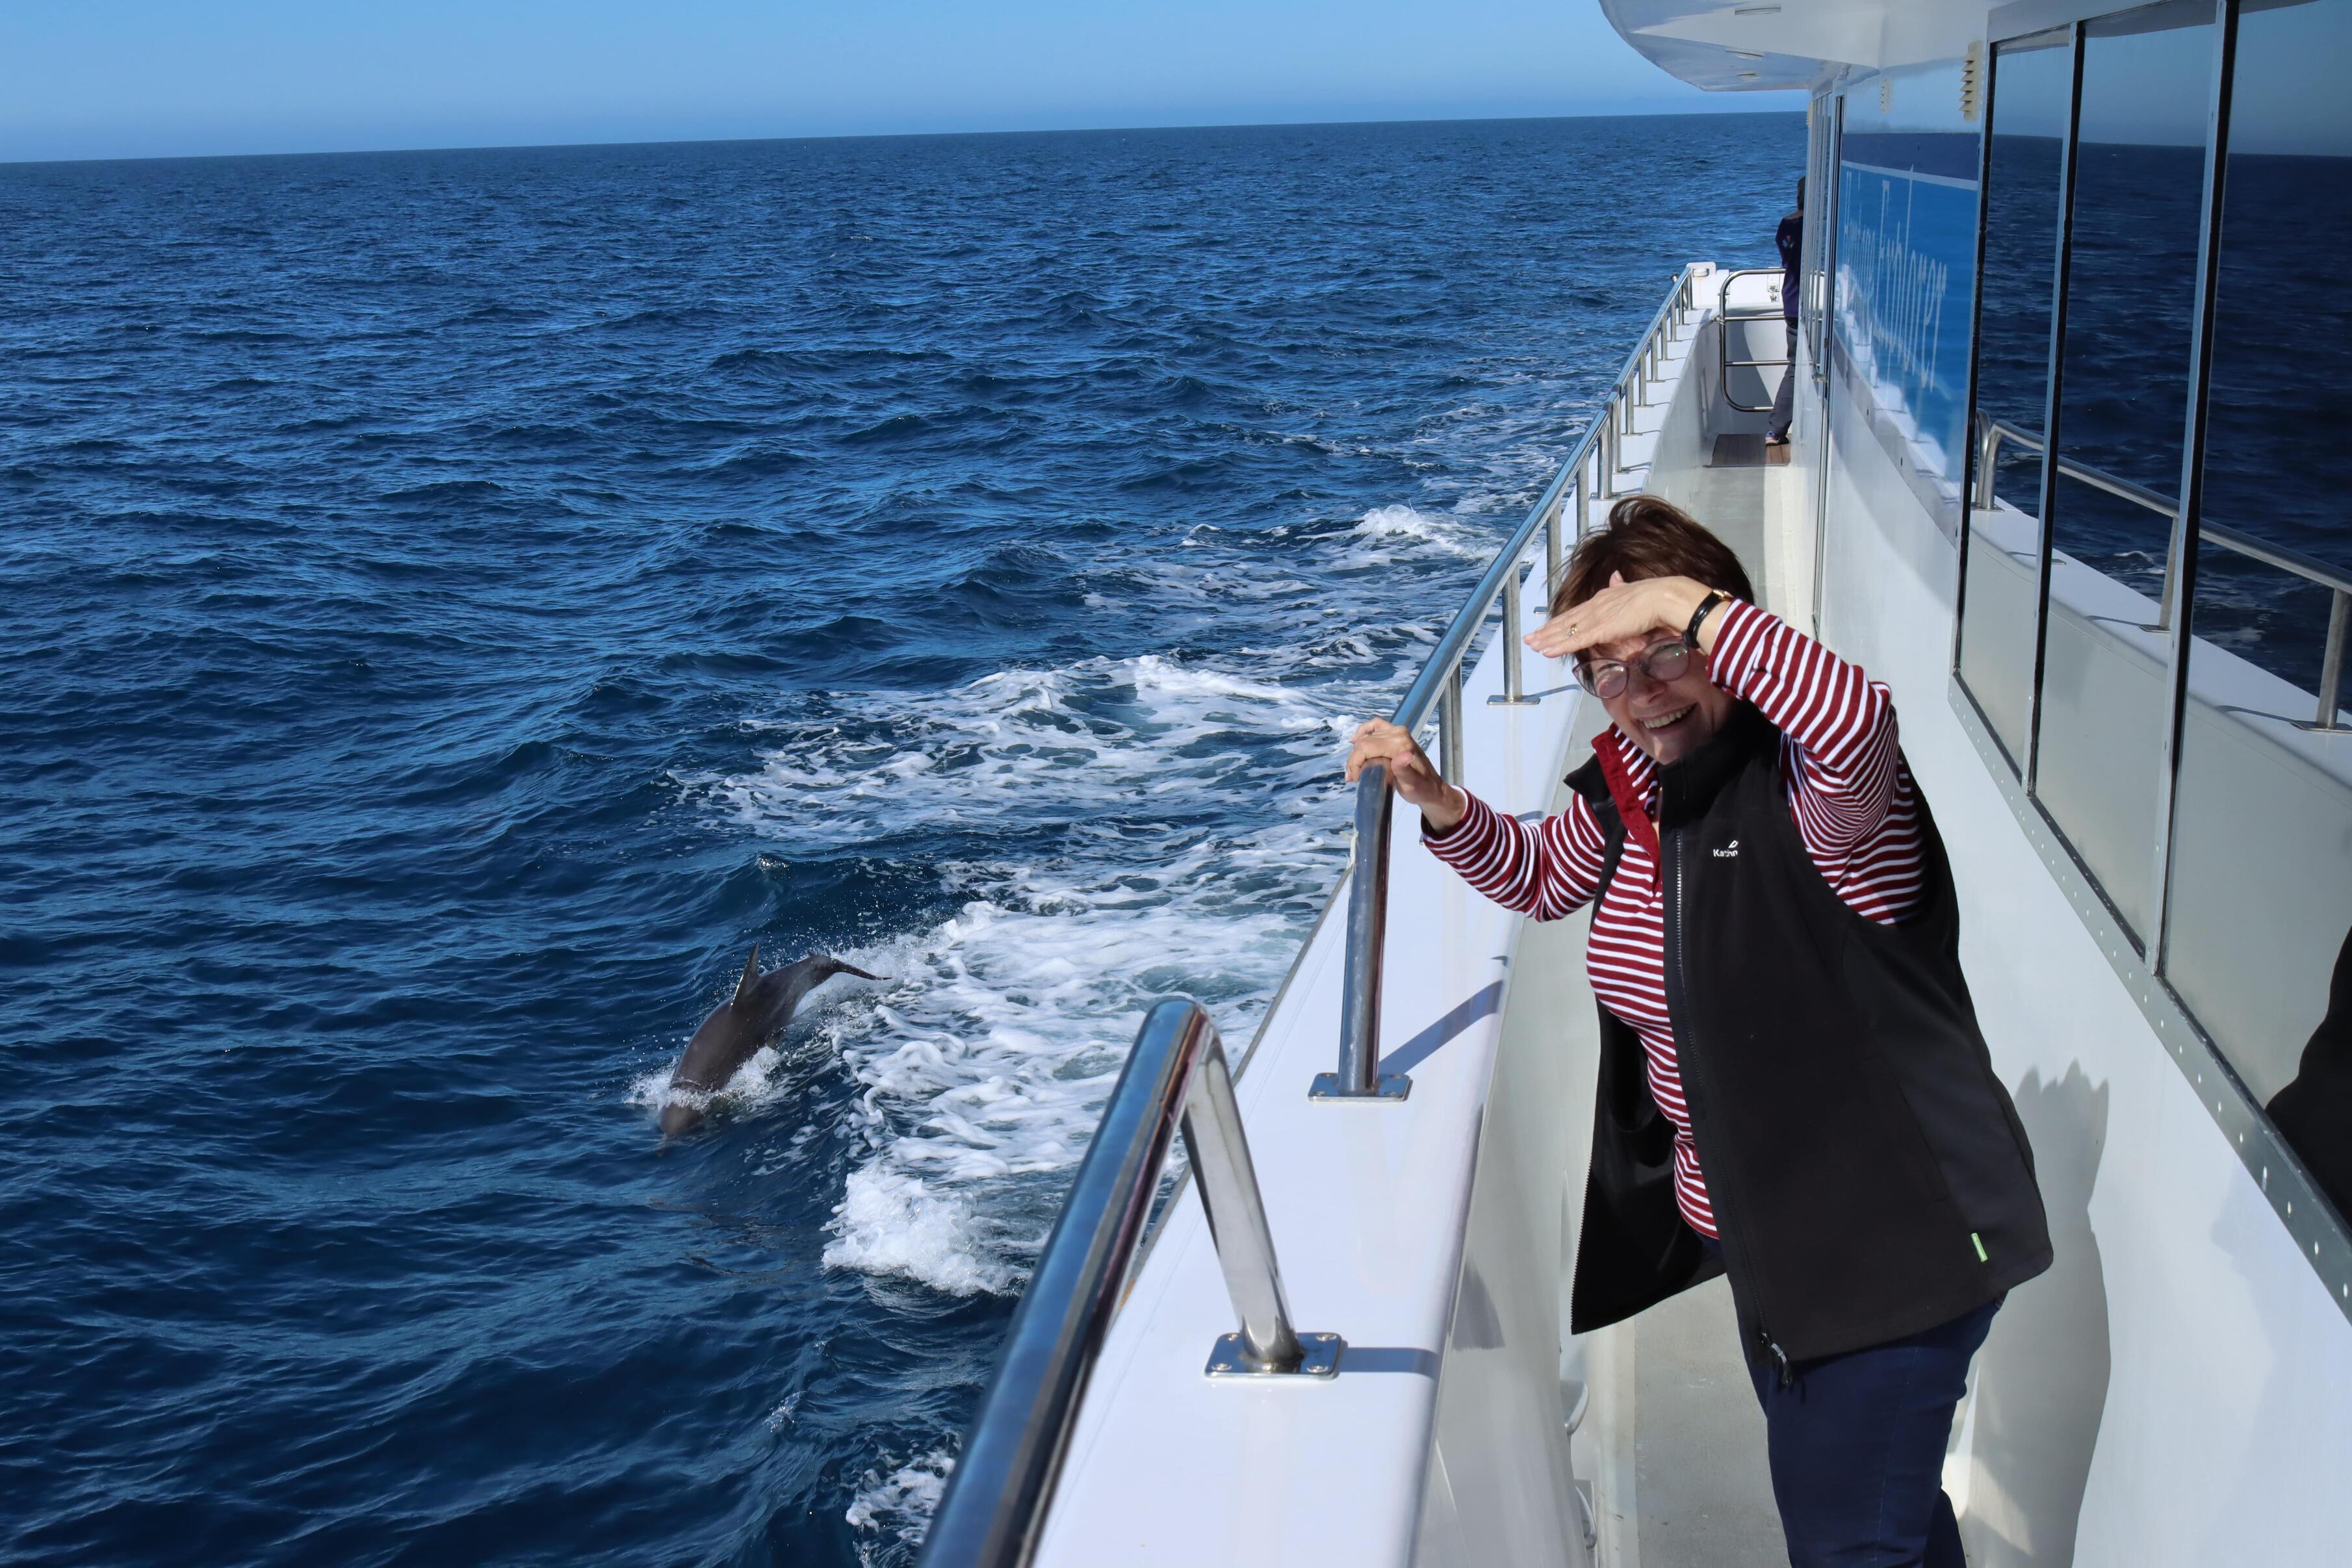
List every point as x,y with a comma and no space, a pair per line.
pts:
1792,1088
1790,239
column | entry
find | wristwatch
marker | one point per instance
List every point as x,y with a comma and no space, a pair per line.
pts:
1706,607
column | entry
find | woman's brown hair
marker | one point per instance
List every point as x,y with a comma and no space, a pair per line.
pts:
1645,537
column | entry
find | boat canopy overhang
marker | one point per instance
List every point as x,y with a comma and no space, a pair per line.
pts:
1743,46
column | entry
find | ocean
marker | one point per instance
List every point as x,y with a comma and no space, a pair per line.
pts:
454,604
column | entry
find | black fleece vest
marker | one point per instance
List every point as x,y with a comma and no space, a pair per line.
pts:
1868,1174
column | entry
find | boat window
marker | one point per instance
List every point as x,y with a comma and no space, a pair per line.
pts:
1906,214
2131,292
2032,101
2261,871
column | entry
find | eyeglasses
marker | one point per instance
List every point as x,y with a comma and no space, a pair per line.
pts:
1663,661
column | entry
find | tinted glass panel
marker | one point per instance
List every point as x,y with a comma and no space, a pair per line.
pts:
1820,243
1906,272
2131,291
2262,868
2032,85
1816,181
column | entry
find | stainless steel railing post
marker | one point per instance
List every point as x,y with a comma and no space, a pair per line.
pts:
1625,420
1553,552
1219,1150
1512,683
994,1508
1583,513
1359,1077
1449,725
1514,694
2331,661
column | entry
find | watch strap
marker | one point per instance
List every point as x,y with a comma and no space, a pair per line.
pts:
1715,600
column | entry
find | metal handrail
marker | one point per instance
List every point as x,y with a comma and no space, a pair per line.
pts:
1439,686
1725,316
1992,433
1175,1079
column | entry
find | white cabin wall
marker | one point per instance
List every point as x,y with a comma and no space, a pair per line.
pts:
2174,1389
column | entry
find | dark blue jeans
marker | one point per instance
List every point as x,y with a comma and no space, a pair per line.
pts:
1857,1442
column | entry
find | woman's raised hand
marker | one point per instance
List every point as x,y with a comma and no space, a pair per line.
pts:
1409,772
1617,612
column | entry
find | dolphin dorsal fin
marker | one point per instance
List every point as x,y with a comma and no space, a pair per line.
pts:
750,977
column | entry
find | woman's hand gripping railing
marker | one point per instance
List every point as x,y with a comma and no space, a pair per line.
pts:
1589,475
1175,1078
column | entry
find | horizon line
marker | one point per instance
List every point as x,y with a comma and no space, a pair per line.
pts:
888,136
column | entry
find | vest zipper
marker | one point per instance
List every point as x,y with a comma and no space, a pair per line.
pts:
1670,846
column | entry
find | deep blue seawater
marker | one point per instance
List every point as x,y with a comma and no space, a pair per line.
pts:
452,605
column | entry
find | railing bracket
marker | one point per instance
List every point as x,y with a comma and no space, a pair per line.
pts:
1320,1358
1388,1088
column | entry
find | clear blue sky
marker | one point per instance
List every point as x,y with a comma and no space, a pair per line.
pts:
129,79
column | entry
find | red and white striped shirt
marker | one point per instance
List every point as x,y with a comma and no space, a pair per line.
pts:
1850,792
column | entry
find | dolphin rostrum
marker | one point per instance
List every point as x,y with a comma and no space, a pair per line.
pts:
758,1011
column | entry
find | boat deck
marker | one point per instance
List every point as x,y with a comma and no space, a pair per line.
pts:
1671,1450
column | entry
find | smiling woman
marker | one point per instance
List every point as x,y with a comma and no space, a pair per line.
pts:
1792,1085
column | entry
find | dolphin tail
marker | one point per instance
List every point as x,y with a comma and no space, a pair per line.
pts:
796,980
750,977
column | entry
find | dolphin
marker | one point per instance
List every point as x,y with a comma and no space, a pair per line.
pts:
758,1011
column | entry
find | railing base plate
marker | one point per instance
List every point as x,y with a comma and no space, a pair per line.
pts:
1498,700
1321,1358
1392,1087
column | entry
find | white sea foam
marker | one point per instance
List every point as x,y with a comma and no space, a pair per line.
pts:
889,1222
1386,527
1195,828
891,1511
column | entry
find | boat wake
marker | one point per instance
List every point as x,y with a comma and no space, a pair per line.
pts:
1107,832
